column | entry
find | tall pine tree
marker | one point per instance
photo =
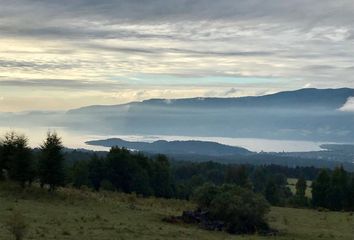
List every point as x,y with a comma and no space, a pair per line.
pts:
321,189
51,162
339,188
97,171
301,187
17,158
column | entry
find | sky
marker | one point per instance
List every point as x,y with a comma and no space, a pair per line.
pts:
57,55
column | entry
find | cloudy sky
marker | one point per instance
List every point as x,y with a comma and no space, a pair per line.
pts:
65,54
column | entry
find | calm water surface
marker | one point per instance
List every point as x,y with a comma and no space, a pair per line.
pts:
74,139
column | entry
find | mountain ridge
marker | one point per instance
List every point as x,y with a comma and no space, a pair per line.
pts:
336,92
305,114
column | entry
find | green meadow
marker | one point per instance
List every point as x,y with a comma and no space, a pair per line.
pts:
83,214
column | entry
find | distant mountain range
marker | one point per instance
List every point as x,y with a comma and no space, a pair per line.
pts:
305,114
175,147
308,98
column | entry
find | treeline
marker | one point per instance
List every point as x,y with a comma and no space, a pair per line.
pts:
124,171
289,160
155,175
334,190
120,170
20,164
270,180
261,179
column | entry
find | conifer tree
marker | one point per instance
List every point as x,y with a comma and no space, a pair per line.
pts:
320,189
51,162
17,157
301,187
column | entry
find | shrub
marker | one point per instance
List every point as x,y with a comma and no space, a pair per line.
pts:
205,194
240,209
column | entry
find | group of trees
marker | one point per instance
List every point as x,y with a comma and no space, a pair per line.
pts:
134,172
127,171
19,163
269,181
119,170
124,171
334,190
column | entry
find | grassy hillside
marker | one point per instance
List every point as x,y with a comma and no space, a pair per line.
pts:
73,214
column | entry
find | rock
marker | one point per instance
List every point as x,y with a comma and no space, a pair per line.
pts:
202,218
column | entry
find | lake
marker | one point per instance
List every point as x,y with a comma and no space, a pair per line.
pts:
73,139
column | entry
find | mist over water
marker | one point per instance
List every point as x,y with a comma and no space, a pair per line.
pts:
76,139
299,120
70,139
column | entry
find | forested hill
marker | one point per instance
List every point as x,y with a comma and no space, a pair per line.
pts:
305,114
331,99
175,147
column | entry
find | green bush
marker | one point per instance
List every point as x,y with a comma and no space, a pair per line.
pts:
242,210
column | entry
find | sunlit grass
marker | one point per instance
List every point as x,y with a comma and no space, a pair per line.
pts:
74,214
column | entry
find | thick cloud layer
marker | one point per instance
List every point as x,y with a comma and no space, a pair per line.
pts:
97,48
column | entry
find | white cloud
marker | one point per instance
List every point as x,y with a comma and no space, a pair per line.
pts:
307,85
102,44
348,106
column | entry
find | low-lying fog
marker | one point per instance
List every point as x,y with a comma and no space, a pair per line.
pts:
74,139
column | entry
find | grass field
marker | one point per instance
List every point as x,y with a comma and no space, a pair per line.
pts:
74,214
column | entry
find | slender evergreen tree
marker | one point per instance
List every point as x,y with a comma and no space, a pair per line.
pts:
162,179
339,188
301,186
51,162
271,192
80,174
17,158
350,195
97,172
320,189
